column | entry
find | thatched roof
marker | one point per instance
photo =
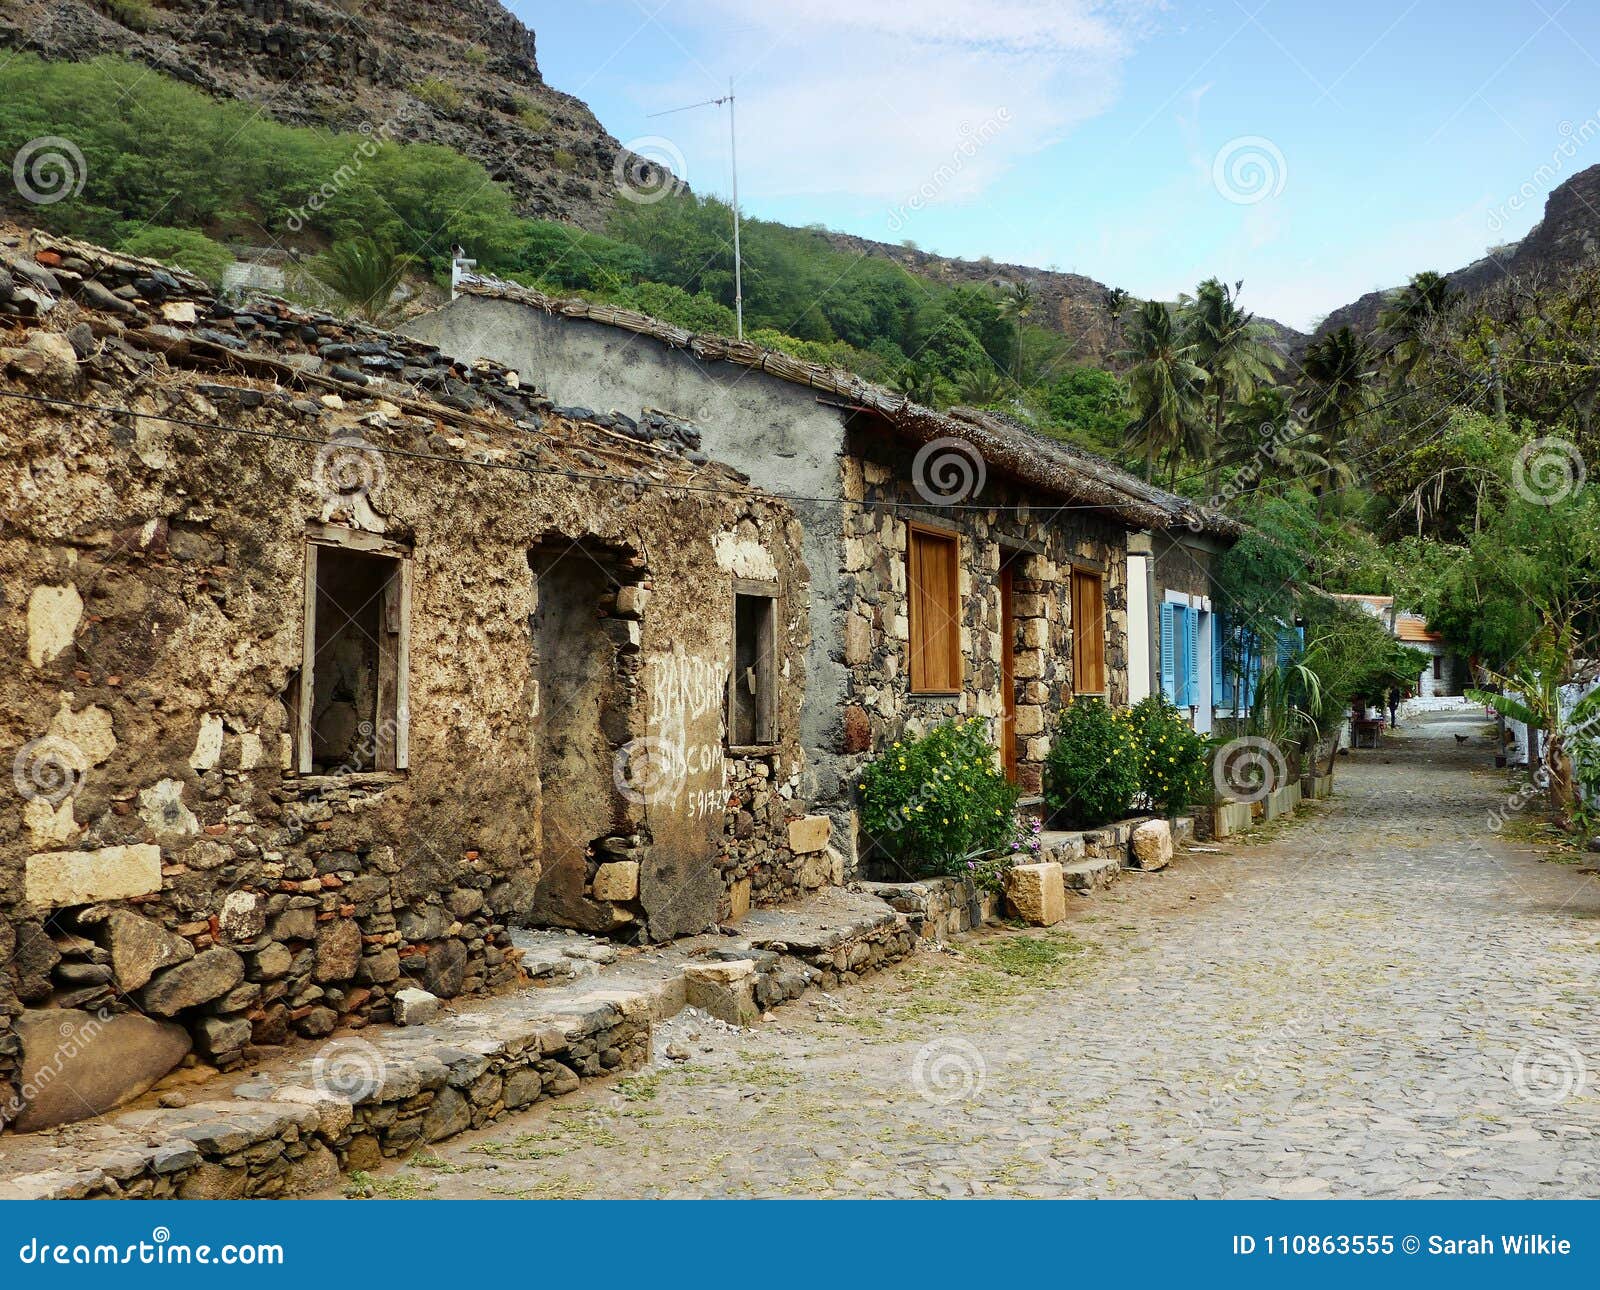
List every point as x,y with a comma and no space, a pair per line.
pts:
1057,469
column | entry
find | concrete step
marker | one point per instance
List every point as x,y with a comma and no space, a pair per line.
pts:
1094,873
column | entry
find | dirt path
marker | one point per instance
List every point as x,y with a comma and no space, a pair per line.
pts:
1382,999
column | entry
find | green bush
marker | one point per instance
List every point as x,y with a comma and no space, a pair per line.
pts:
181,247
1173,757
532,115
437,93
941,800
1092,774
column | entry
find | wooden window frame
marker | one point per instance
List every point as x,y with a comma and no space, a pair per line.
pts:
767,646
394,648
918,682
1103,691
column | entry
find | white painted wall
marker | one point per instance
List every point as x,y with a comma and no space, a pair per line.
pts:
1139,632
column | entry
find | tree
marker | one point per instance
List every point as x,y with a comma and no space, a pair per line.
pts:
1231,346
1406,316
1016,303
1336,393
1165,385
1088,405
362,274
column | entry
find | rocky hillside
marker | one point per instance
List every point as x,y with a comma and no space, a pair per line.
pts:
1566,236
462,74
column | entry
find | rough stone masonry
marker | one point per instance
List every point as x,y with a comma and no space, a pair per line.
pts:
330,658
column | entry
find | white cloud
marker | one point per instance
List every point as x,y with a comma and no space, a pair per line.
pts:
889,106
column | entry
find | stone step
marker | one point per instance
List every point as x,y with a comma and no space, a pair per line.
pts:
1094,873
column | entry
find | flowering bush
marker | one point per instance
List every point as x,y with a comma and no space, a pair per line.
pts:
1173,757
941,800
1093,771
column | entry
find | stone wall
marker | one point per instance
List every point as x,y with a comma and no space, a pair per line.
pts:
162,851
1044,543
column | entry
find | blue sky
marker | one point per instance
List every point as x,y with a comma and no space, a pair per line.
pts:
1314,150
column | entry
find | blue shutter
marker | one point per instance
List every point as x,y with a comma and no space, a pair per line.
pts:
1221,681
1191,657
1169,669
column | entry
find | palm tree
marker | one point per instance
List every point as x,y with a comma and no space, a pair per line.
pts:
981,385
1165,385
1336,393
918,380
362,273
1406,315
1016,303
1234,349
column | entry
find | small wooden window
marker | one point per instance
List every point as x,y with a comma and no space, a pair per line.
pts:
934,590
752,689
1088,632
1438,667
352,699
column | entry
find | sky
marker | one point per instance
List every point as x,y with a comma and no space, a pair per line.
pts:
1314,151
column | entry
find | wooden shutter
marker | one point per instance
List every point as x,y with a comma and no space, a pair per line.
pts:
1088,633
934,592
1192,654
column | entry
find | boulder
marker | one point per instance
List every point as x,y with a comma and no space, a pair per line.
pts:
1152,845
413,1007
1037,893
76,1064
203,978
809,833
218,1039
618,880
726,990
139,948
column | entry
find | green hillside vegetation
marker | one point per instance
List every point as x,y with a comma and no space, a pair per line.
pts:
1388,464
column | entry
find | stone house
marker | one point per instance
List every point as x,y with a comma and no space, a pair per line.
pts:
332,660
1182,653
961,565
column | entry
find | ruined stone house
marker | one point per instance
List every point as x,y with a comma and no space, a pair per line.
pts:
960,564
332,660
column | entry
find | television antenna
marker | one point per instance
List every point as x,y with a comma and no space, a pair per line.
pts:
733,167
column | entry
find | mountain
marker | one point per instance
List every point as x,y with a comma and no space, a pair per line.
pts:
1567,236
462,73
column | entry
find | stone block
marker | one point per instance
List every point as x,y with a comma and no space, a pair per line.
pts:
217,1038
738,899
1152,845
618,880
809,833
726,990
1037,893
413,1007
53,617
76,1065
140,948
56,878
338,951
203,978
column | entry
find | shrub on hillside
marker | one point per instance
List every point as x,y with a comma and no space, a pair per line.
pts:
182,248
941,800
1173,758
1092,773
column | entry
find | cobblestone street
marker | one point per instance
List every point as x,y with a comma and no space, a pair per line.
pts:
1377,999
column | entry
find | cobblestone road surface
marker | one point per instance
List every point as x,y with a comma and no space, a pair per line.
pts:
1380,999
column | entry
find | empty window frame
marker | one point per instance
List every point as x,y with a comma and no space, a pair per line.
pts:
353,701
753,689
1088,632
933,585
